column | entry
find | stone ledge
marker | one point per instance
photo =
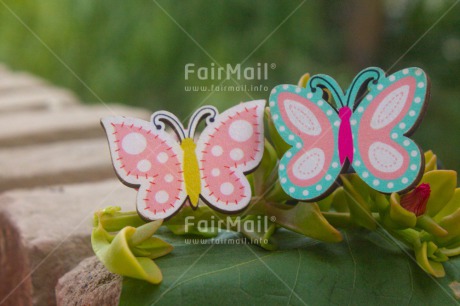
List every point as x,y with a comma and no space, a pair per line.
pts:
44,233
55,163
21,128
36,98
89,283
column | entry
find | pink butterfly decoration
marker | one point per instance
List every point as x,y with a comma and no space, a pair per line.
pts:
167,172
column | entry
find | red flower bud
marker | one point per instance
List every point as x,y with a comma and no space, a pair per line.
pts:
415,201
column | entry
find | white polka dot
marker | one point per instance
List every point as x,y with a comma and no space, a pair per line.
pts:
134,143
365,174
394,135
360,109
406,142
282,128
357,163
298,145
418,72
236,154
413,167
329,112
282,167
402,125
215,172
162,157
297,90
169,178
283,180
390,185
412,113
291,137
392,78
291,190
369,97
335,165
305,192
328,177
405,71
413,153
161,196
404,180
217,151
227,188
417,100
275,117
272,103
273,91
421,85
144,165
288,154
240,130
285,86
376,182
380,87
353,122
309,95
337,123
319,187
320,103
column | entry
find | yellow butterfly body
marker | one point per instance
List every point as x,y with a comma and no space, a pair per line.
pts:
191,171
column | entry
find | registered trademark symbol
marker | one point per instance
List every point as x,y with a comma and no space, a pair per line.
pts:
272,65
273,218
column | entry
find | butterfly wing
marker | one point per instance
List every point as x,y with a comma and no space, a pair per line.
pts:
310,125
385,157
227,149
150,160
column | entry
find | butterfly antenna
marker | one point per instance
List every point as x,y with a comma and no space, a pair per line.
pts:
160,118
322,82
359,87
206,112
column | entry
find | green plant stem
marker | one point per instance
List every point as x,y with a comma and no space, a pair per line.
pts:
117,221
450,252
338,219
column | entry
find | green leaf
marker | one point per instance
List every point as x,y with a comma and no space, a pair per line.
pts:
432,267
280,145
428,224
339,200
452,206
261,232
119,256
451,224
326,203
144,232
305,219
363,269
396,217
266,173
367,193
431,162
113,219
359,208
277,194
428,156
442,184
186,221
154,247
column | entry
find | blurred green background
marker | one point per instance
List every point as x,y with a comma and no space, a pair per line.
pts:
135,52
